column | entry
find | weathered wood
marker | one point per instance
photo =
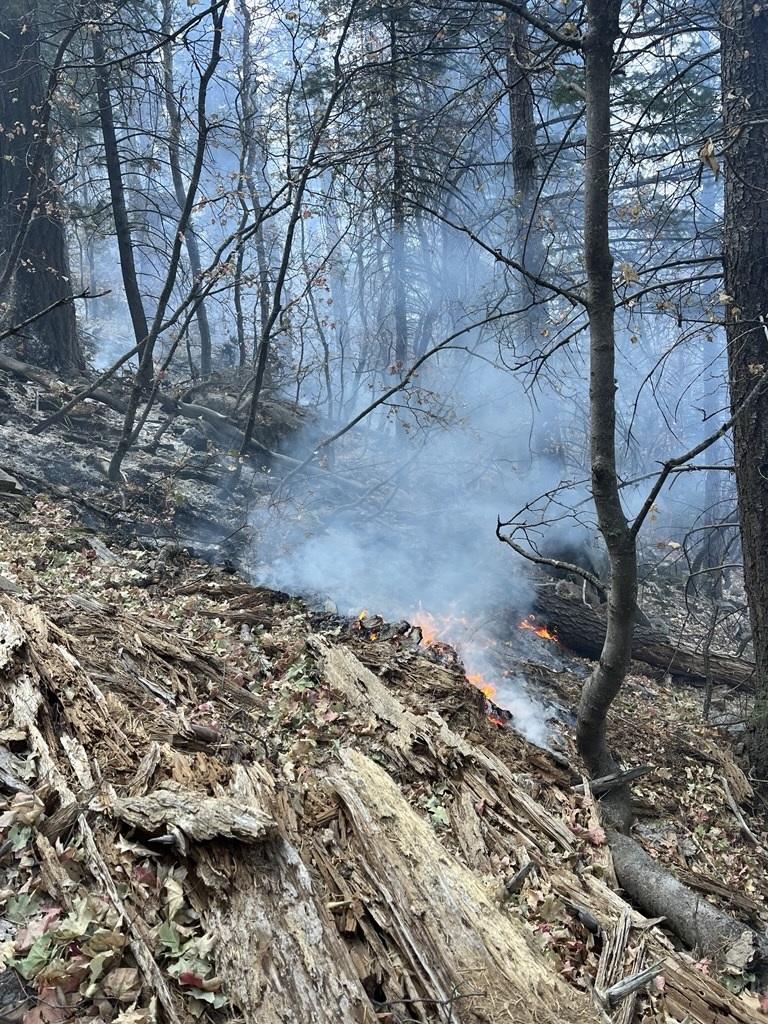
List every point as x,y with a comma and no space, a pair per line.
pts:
280,957
581,628
420,741
481,963
199,817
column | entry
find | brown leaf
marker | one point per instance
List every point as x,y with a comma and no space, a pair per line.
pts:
122,984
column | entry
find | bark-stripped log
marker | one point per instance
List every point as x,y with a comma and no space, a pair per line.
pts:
481,962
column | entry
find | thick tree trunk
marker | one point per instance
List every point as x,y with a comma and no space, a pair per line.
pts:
605,681
744,32
41,276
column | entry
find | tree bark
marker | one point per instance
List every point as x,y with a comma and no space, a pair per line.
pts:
117,196
399,301
744,34
582,629
41,276
180,191
604,683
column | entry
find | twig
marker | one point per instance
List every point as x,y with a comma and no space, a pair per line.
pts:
86,294
516,882
555,563
608,782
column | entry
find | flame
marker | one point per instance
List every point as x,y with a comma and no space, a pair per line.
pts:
542,631
363,615
450,630
478,679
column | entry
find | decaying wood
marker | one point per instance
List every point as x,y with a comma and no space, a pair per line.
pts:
740,817
581,628
421,741
457,938
281,958
199,817
26,699
689,995
620,972
318,902
11,638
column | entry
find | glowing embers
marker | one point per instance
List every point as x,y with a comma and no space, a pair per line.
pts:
529,623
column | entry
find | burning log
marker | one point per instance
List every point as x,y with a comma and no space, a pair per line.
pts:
581,628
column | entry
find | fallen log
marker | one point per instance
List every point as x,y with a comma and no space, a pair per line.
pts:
581,628
46,380
477,961
699,923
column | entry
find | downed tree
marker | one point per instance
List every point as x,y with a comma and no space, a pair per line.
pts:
697,921
581,628
481,963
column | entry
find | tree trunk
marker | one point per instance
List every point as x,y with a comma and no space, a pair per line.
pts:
399,306
529,247
582,629
744,33
174,158
117,195
41,276
604,683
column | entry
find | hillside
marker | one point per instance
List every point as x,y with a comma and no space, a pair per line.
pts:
219,803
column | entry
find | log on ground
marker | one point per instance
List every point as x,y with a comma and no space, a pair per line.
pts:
581,628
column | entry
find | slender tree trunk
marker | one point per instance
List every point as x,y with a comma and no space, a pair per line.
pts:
399,300
529,248
744,33
119,208
174,158
248,190
604,683
130,431
30,204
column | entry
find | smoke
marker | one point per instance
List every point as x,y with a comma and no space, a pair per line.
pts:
414,534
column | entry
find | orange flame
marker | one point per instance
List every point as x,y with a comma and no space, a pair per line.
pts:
452,627
542,631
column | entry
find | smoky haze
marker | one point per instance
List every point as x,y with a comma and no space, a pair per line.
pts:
423,545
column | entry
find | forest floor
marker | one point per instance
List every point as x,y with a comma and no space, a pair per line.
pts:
217,803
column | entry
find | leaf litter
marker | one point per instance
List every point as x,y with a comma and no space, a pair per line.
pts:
146,689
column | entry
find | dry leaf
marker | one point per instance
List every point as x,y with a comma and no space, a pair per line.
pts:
122,984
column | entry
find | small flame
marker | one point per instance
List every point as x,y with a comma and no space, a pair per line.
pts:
363,615
478,679
542,631
451,627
